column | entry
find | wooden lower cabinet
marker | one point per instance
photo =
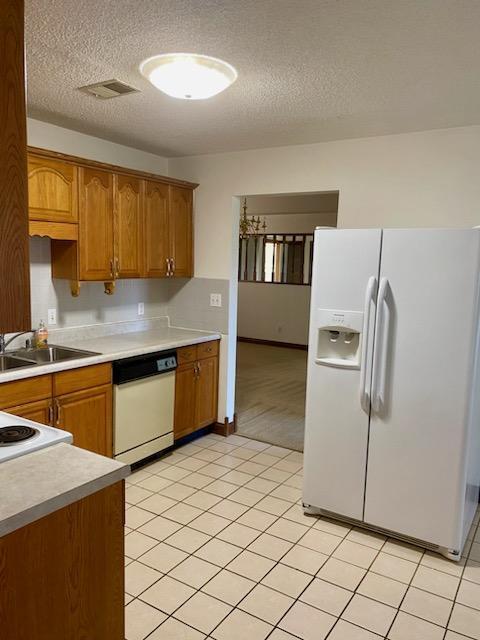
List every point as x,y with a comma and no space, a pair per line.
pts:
207,385
79,401
87,415
41,411
196,389
185,400
62,577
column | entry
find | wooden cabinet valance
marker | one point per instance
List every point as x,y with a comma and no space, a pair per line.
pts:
107,222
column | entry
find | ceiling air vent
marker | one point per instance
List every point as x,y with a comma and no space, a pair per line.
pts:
108,89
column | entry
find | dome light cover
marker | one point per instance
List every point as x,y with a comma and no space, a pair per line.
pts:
188,76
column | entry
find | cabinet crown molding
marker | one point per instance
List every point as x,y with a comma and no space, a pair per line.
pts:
84,162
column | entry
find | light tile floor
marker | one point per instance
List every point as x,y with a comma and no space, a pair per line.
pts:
218,547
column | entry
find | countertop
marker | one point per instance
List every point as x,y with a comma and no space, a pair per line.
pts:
115,347
35,485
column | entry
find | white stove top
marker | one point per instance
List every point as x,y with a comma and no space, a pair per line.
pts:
44,437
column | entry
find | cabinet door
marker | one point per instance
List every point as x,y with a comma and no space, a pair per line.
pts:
37,411
87,415
96,224
180,231
185,388
128,227
206,398
156,229
52,190
68,566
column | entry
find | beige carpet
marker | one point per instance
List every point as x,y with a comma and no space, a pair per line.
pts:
270,394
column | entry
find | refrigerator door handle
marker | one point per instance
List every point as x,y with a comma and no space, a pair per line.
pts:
380,348
369,297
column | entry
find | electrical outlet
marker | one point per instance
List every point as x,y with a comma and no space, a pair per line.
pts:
141,309
215,299
52,316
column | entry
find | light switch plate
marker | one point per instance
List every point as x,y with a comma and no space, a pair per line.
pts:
52,316
215,299
141,309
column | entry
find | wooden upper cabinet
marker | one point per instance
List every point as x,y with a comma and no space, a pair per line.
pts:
156,229
52,190
128,227
108,222
181,231
96,244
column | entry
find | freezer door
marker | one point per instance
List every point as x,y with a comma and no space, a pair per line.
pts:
423,362
345,269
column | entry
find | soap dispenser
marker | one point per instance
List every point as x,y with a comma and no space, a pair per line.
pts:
41,335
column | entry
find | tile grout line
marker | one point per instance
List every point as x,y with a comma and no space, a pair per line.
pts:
277,562
477,528
192,554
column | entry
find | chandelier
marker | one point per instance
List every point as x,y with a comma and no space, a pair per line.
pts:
250,226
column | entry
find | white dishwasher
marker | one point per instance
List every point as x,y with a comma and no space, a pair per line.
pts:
144,399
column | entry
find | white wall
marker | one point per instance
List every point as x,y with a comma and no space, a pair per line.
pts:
276,312
49,136
409,180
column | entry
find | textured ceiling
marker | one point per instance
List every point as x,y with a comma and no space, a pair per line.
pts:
309,70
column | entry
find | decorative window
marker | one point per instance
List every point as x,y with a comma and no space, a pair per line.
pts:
278,258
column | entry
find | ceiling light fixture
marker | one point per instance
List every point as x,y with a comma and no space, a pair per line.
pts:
188,76
251,226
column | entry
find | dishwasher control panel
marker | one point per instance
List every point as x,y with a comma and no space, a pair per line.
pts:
138,367
167,364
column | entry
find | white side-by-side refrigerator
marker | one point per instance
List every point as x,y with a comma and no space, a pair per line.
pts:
392,435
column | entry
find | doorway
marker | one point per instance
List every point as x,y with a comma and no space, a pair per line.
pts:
274,281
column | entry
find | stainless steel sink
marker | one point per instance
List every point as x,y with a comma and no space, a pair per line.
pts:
50,353
10,362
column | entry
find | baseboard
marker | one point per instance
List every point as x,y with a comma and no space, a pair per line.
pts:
225,428
274,343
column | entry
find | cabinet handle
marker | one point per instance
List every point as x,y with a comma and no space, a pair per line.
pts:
199,369
117,267
167,260
112,275
51,414
172,268
58,407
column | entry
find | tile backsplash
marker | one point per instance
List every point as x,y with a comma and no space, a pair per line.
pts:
189,304
185,301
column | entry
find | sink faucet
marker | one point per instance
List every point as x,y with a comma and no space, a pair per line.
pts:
4,343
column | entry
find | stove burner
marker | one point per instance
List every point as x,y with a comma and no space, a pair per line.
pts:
15,433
